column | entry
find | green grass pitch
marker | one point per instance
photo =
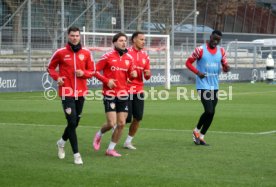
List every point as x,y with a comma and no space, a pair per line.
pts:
242,140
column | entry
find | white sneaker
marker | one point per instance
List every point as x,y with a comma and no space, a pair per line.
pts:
61,152
78,160
129,146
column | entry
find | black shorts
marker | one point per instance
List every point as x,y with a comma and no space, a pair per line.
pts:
135,107
116,104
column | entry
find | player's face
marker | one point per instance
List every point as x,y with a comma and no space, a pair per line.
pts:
74,37
121,43
214,40
139,41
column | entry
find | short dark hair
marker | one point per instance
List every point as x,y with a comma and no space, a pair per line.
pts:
117,36
135,34
217,32
73,28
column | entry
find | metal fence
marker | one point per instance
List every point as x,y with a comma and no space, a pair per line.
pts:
242,50
30,30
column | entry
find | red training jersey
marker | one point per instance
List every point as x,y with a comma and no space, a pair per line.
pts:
68,62
118,68
141,63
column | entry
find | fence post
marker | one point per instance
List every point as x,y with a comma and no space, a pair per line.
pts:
236,53
29,47
0,39
254,57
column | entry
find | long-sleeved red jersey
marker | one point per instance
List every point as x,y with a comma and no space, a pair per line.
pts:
118,68
68,62
141,62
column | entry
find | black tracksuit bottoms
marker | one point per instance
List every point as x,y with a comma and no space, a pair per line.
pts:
209,101
72,109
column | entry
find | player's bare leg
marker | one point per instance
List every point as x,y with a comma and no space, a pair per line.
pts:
132,131
121,120
110,123
133,127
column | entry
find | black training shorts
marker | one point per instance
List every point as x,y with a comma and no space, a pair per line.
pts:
116,104
135,107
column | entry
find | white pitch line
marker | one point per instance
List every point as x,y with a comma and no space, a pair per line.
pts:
218,132
250,93
171,97
268,132
148,129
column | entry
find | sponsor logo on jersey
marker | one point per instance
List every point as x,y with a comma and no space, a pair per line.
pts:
114,68
67,57
127,62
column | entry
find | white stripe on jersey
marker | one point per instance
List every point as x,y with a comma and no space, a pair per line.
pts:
196,52
60,49
94,64
106,55
129,56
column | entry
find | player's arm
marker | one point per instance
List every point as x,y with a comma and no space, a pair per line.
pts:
132,72
224,63
53,63
99,67
93,71
89,69
196,55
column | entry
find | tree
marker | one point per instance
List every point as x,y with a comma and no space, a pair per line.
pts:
141,6
16,24
219,9
88,14
51,19
161,13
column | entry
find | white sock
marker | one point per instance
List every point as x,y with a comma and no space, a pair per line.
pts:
201,136
61,142
111,146
76,155
129,139
196,129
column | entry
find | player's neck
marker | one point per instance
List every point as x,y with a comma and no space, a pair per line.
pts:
136,48
210,47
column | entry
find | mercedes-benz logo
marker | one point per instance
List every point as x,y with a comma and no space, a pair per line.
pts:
47,81
50,92
254,75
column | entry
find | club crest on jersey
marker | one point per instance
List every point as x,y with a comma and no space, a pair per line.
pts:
143,61
112,105
81,57
68,111
127,62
